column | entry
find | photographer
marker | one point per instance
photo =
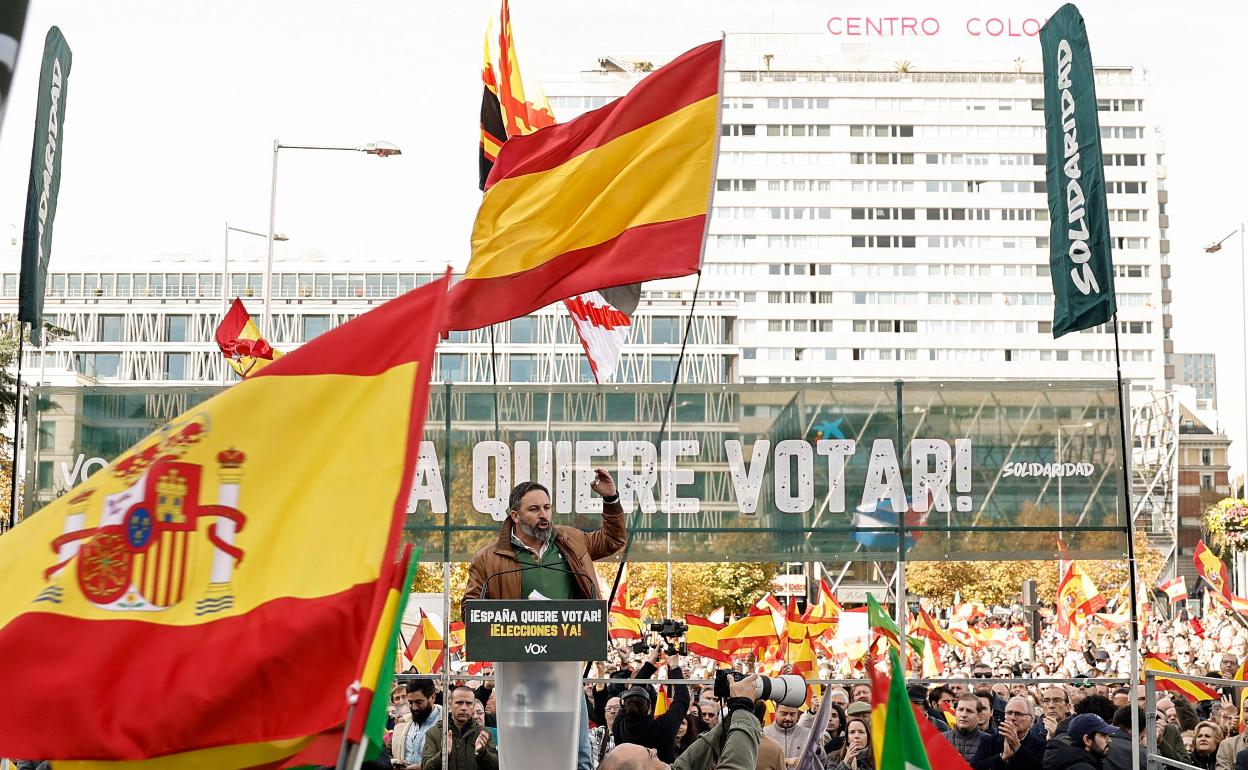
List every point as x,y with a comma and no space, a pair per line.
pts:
636,723
730,745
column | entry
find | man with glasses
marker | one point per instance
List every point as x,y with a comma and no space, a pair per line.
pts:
984,690
839,696
1015,747
708,712
601,740
1056,708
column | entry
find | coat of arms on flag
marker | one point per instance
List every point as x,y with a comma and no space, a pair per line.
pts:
138,557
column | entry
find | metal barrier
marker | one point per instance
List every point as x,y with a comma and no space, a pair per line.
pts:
1150,712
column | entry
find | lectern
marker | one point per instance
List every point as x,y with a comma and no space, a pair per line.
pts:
538,648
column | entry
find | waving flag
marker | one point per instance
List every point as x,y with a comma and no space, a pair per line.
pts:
602,328
882,626
751,632
239,339
824,614
899,741
1193,690
1175,589
493,130
212,563
424,649
623,622
617,196
702,638
1077,598
1213,570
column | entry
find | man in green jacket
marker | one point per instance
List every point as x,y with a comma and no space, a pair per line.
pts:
471,748
737,750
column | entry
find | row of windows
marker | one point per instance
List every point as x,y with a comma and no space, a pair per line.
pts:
909,242
784,158
922,132
794,242
904,185
904,269
939,354
917,104
208,285
958,326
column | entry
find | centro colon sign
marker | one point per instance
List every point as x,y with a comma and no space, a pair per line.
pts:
930,26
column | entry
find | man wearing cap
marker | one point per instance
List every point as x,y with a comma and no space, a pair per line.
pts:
1089,745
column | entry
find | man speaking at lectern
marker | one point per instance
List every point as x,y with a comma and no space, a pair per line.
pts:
535,557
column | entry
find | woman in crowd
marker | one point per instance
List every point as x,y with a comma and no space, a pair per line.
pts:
686,733
834,740
1205,745
858,752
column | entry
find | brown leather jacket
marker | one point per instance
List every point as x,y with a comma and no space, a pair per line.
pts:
580,550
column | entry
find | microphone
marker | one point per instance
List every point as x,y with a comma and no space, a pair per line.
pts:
565,569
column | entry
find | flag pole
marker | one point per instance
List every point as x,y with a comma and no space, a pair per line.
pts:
17,423
1127,444
667,411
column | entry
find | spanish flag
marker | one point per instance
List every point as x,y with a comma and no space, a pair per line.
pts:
245,543
617,196
1213,570
424,650
1194,690
623,622
702,638
493,132
751,632
825,613
239,339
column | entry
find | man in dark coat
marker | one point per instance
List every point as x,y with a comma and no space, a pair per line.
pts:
1088,747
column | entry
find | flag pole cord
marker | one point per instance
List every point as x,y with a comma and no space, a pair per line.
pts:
667,411
17,424
1127,445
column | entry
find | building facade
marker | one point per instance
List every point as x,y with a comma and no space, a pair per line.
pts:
1198,371
868,223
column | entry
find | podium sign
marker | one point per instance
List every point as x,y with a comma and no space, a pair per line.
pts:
528,630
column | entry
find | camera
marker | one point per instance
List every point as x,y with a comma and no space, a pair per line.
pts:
668,627
788,690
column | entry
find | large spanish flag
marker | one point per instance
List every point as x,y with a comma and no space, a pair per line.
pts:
1193,690
617,196
173,604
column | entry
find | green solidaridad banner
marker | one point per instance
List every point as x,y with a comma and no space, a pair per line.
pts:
45,180
1079,245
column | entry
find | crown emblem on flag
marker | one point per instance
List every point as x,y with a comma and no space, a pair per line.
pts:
141,553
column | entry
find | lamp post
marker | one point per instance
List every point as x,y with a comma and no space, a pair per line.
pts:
225,268
380,149
1213,248
1241,560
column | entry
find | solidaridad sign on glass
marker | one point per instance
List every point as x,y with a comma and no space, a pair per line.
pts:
844,471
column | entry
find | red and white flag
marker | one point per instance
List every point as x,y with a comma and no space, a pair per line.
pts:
1175,589
602,328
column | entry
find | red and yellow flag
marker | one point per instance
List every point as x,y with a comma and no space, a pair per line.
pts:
749,633
493,131
520,115
1193,690
927,627
617,196
246,351
825,613
424,649
702,638
623,622
212,562
1077,598
795,646
1213,570
651,600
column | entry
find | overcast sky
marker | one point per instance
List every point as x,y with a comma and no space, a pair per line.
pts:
173,106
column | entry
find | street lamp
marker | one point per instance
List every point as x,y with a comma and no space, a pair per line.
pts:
380,149
225,268
1214,248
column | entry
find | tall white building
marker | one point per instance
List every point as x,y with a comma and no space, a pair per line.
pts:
871,221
